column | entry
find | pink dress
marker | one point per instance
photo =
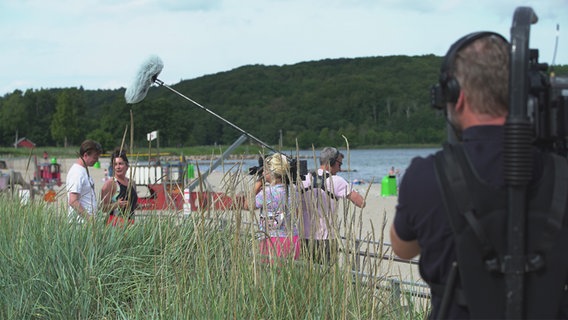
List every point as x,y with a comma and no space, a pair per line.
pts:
280,234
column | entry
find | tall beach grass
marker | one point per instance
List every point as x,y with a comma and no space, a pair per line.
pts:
202,266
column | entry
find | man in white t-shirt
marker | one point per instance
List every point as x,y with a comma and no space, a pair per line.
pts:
320,195
81,195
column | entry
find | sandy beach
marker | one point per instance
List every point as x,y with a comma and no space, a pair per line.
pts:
372,223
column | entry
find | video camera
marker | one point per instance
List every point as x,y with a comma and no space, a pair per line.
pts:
257,170
547,106
538,100
298,168
537,93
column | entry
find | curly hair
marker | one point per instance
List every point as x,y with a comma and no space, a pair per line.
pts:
277,165
119,153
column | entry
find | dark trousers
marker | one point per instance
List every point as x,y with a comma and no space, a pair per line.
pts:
320,251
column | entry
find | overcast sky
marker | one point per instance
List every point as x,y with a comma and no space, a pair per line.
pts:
100,44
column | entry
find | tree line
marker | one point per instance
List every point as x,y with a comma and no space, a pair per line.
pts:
371,101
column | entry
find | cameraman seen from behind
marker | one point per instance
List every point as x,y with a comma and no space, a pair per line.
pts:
321,193
474,84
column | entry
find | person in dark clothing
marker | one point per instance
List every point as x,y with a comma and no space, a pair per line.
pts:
474,82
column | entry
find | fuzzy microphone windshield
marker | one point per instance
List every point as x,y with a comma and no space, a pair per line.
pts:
147,74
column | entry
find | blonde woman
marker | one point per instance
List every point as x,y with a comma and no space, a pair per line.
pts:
275,221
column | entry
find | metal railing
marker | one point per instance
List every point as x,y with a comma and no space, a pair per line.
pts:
397,287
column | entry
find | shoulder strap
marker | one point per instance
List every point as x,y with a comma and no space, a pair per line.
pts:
558,204
457,200
557,209
319,181
547,208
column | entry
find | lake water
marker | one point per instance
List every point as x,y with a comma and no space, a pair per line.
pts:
365,164
376,163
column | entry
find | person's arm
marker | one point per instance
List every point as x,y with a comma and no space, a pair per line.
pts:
105,193
106,196
108,190
242,201
403,249
357,199
257,186
341,188
75,203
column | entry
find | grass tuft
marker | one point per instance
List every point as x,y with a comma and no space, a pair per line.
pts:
164,267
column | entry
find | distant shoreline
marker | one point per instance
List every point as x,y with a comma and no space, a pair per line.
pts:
191,153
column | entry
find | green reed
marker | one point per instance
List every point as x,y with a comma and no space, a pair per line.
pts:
166,267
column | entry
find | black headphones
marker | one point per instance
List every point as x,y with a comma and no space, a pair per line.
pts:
334,159
448,88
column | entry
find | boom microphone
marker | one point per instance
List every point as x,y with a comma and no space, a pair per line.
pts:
147,75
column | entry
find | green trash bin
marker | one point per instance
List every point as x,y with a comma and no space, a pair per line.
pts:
190,171
388,186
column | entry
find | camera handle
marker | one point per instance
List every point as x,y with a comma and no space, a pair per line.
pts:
517,160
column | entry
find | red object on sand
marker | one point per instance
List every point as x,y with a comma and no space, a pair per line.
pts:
162,199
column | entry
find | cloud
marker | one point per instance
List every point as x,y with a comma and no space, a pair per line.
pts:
99,44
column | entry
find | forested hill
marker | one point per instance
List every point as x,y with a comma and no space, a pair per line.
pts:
370,101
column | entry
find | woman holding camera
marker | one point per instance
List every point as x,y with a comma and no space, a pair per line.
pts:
279,233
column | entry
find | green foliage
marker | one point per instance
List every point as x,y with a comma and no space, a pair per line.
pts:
371,101
66,126
104,138
166,268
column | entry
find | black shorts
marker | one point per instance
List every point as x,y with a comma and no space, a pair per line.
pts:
320,251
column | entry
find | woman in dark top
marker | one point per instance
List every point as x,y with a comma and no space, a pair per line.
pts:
118,195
